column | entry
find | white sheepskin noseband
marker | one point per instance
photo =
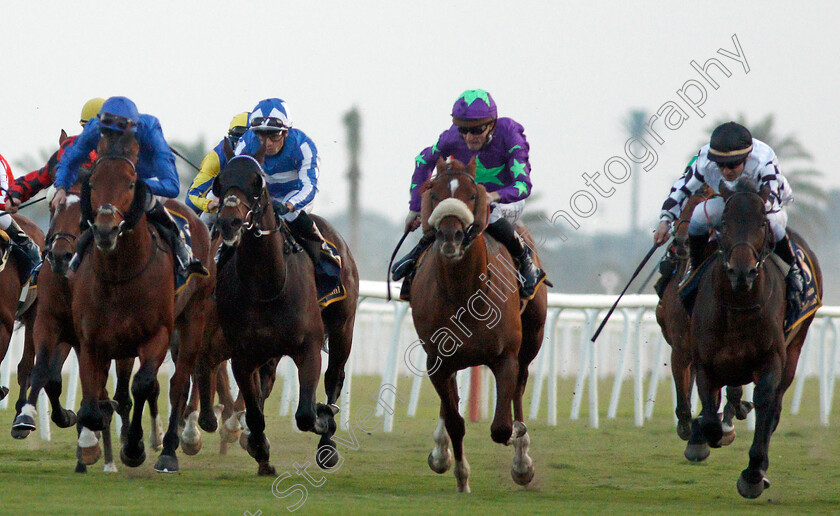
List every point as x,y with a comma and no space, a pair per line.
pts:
454,207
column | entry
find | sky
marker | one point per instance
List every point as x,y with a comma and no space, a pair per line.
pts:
569,72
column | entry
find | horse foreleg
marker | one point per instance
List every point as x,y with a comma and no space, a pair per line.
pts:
734,408
258,446
231,429
178,390
447,389
191,435
109,405
709,393
506,370
753,480
122,396
309,372
156,432
63,418
683,380
27,360
93,374
204,378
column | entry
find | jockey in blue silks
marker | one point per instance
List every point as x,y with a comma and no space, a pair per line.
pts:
291,171
155,166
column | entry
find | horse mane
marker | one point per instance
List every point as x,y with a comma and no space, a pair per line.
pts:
746,184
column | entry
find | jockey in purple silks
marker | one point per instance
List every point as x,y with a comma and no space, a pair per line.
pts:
502,167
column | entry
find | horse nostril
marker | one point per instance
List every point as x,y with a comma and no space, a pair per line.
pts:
459,236
236,224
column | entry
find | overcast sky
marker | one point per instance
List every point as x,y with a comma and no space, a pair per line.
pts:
570,72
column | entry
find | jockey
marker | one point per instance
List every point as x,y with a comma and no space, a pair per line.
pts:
8,224
155,166
502,167
27,186
731,153
199,196
291,171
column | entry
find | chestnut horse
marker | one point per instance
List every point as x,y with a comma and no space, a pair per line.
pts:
466,310
55,336
10,292
124,303
737,328
267,307
676,328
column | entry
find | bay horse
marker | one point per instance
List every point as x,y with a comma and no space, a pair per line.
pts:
267,307
676,328
467,312
55,336
10,292
737,327
124,303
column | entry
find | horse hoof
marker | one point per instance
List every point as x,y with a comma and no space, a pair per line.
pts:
131,460
326,456
697,452
191,448
743,410
440,466
266,470
80,468
88,456
110,467
23,422
208,424
19,434
229,436
64,418
727,438
167,464
748,490
684,430
523,477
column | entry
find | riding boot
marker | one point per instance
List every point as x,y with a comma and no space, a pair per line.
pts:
404,268
82,244
187,263
696,249
794,281
529,274
310,238
22,240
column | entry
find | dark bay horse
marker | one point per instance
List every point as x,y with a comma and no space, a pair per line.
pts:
267,308
10,292
676,328
737,328
466,310
124,303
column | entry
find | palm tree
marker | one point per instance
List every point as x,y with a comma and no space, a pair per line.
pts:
808,214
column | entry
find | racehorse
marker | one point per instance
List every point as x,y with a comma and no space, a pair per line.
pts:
11,284
738,327
467,312
676,328
124,303
267,307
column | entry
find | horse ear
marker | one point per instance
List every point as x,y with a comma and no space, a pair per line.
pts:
480,212
764,192
440,166
260,154
725,192
228,150
62,137
471,168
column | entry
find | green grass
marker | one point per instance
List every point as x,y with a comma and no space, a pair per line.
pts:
615,469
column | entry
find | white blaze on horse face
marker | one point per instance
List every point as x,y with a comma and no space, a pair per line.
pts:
453,185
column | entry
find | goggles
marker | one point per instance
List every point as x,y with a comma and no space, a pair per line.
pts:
473,130
268,123
110,121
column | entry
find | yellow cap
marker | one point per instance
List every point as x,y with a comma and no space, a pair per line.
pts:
91,109
240,120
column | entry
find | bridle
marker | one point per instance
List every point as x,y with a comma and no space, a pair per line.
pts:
470,233
110,209
766,246
256,208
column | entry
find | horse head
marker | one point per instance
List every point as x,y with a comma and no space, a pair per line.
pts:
113,199
61,238
454,206
245,201
744,236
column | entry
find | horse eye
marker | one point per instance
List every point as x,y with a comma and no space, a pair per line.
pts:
131,186
473,197
434,197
